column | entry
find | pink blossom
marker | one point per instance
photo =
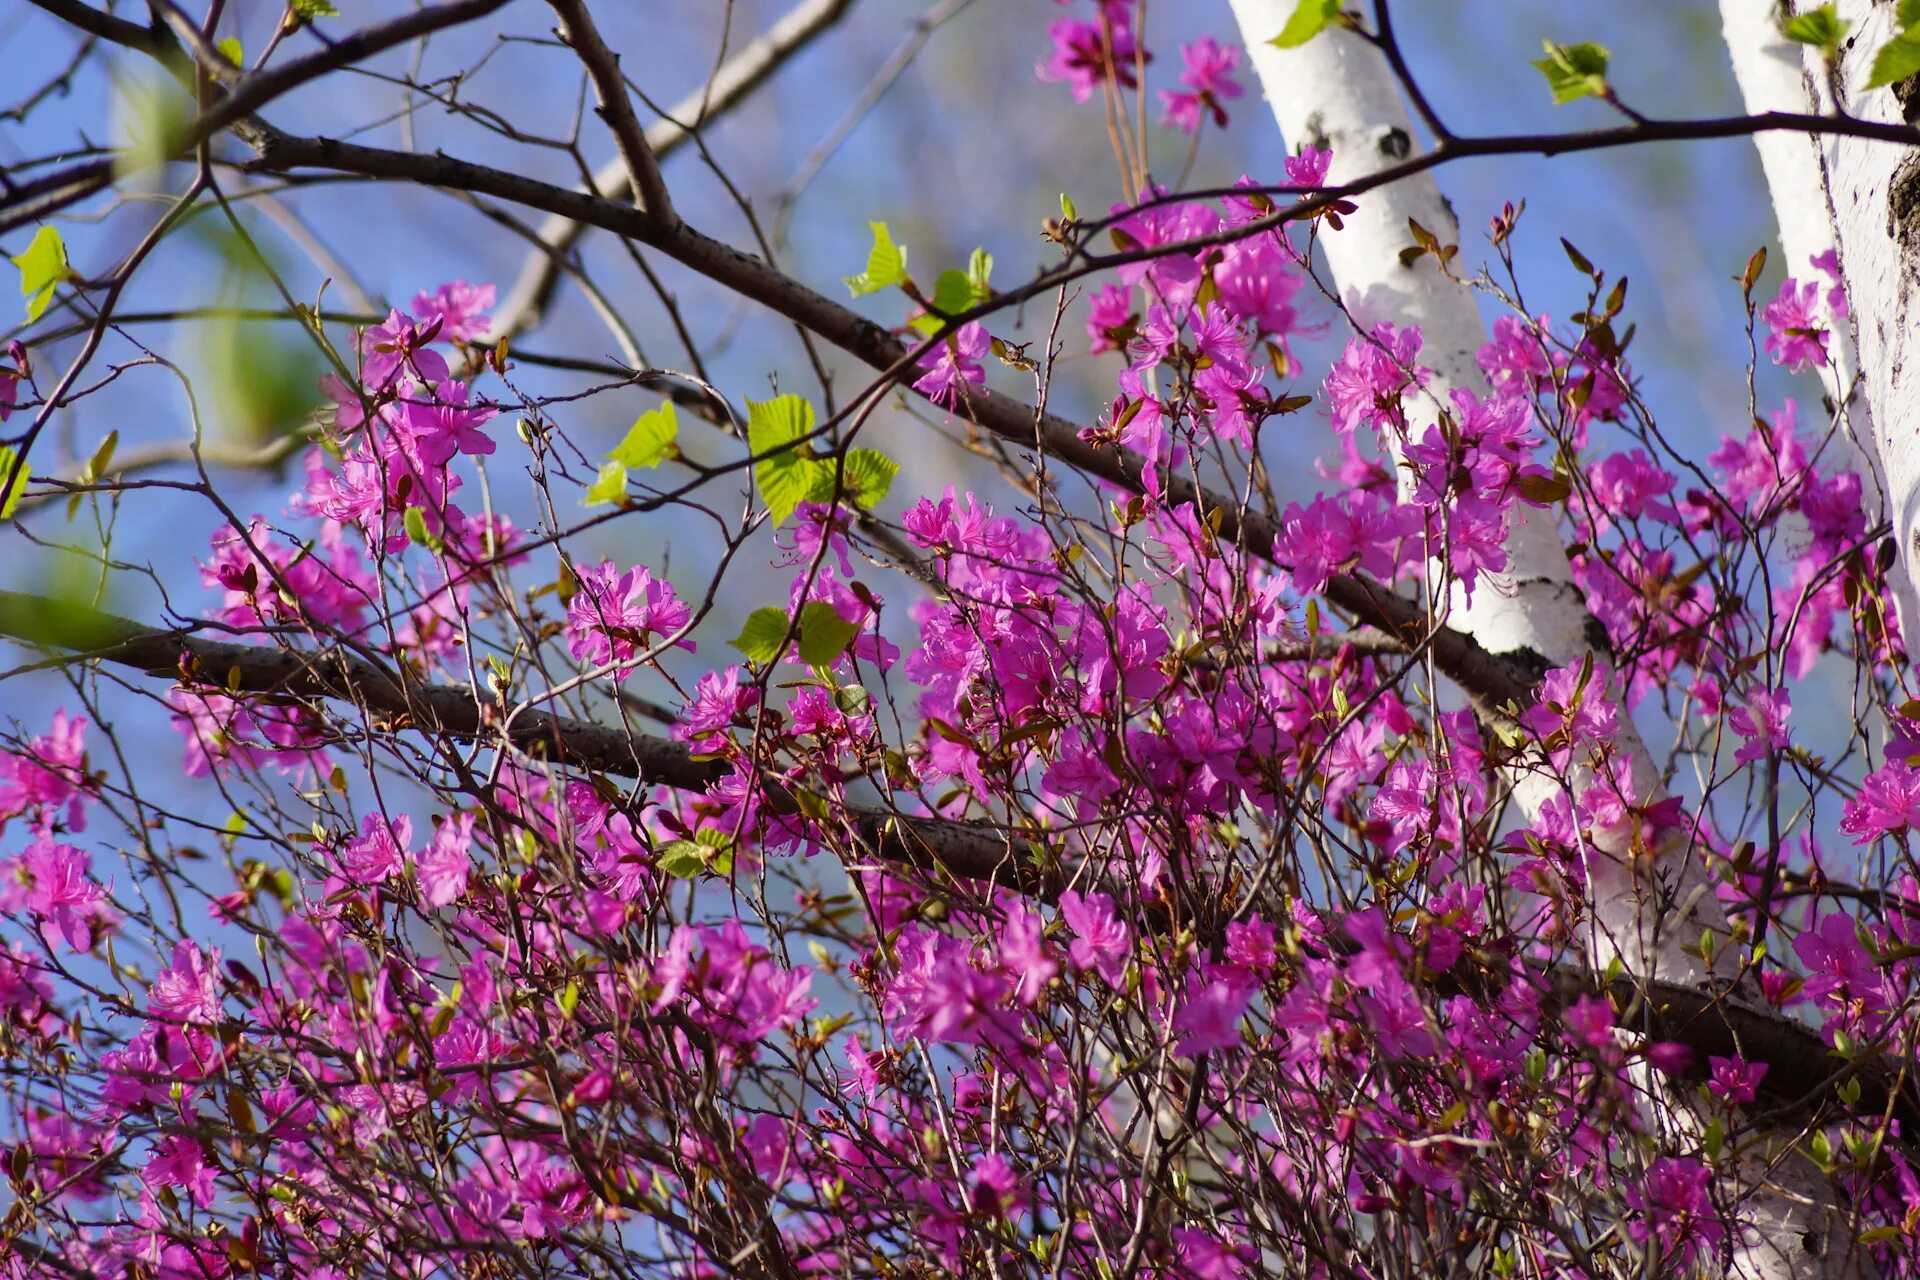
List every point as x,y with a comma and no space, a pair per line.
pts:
1208,76
1734,1080
55,882
613,614
1101,942
1888,801
1211,1019
379,852
460,307
1762,721
954,365
1674,1209
48,772
1081,56
1799,337
442,866
188,990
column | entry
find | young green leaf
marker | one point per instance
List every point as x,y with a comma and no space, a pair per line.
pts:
1898,59
230,49
415,523
311,9
866,478
760,640
1820,27
788,477
11,497
824,634
1310,18
886,264
1574,71
650,441
683,859
43,268
611,486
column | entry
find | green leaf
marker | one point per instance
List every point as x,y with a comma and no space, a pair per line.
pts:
1574,71
761,638
1821,27
886,264
651,440
787,478
415,523
867,477
1907,15
824,634
11,498
43,267
683,859
1898,59
870,473
1310,18
611,486
231,50
310,9
980,274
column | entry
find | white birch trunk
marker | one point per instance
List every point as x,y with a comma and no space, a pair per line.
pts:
1339,91
1773,76
1873,198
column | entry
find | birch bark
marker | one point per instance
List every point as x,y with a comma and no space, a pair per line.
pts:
1339,91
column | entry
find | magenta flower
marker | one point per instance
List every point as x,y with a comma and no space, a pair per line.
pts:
1101,942
460,307
953,365
54,881
1799,337
612,615
1209,80
1674,1210
1308,170
50,772
1080,57
443,865
1888,801
1735,1080
1762,721
397,349
188,990
1211,1020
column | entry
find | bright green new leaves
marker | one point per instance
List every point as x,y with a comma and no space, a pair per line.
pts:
1310,18
653,438
1821,27
866,477
957,291
231,49
791,474
1899,58
787,477
709,850
609,486
43,268
1575,71
11,498
824,634
760,638
886,264
311,9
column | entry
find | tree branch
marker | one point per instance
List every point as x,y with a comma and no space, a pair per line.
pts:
578,33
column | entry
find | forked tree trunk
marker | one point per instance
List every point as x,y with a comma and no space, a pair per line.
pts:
1339,91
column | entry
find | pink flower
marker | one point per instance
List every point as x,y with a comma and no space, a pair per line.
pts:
1108,311
54,882
612,615
397,349
1101,942
460,307
1762,721
188,990
179,1162
1799,337
379,852
1211,1020
1308,170
442,866
1080,56
1888,801
1735,1080
48,772
1674,1209
1209,80
953,365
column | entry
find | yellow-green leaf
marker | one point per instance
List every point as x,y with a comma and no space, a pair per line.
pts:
11,498
1310,18
886,264
43,268
610,486
651,439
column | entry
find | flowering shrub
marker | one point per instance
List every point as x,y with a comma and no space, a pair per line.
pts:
1181,876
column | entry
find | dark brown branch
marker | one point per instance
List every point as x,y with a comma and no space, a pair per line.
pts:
967,850
578,33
